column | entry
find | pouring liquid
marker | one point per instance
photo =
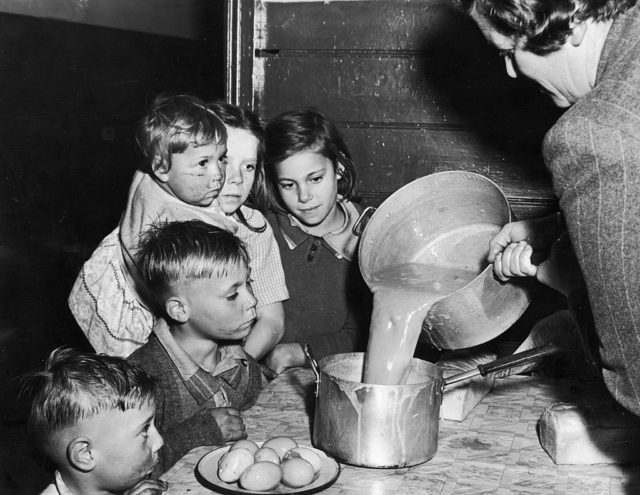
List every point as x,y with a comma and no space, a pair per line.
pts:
404,293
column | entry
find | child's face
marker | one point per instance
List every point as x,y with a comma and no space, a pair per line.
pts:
125,446
242,160
195,176
308,186
222,308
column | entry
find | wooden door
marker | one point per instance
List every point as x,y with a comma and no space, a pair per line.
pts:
412,85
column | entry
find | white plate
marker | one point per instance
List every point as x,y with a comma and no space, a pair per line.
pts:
207,473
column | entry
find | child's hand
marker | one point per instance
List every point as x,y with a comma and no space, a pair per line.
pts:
514,261
285,356
148,487
267,372
230,423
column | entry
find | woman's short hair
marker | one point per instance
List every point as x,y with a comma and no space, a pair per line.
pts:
171,124
542,26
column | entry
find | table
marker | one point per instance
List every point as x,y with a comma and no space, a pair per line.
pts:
495,450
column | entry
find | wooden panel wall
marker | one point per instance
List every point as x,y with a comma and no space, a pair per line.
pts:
414,88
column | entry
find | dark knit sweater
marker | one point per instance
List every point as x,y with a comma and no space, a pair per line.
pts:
593,152
329,304
185,420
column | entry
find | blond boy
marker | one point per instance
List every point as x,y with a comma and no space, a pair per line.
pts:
93,417
200,278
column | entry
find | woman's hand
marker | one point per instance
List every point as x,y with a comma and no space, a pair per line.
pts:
561,271
512,248
514,261
540,233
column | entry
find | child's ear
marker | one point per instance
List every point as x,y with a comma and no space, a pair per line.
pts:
80,455
340,170
177,309
160,170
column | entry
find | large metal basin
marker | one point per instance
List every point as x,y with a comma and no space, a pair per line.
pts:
441,208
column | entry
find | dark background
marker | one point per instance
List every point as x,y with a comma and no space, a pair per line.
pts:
71,95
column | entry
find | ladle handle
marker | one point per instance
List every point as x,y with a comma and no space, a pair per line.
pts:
506,362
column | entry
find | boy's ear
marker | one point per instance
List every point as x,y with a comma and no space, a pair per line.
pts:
177,309
340,170
159,169
79,454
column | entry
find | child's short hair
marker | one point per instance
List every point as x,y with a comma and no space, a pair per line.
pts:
171,252
306,129
171,124
76,386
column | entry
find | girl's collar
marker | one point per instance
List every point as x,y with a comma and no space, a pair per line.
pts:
341,241
345,221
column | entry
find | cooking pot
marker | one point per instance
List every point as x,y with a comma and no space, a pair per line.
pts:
432,220
385,426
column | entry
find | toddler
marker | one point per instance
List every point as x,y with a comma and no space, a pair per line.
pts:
184,146
310,182
199,275
93,417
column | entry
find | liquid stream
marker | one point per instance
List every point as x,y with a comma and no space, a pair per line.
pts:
404,293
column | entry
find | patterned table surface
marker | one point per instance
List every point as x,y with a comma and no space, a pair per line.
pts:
495,450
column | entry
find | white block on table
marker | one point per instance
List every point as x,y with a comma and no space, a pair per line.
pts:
580,434
460,398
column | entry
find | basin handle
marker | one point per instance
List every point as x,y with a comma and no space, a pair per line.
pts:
314,365
363,220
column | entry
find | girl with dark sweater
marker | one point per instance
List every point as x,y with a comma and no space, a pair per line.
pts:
311,181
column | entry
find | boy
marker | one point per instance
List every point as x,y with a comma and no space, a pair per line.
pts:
199,276
93,417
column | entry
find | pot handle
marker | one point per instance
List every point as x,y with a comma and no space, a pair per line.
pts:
506,362
314,365
363,220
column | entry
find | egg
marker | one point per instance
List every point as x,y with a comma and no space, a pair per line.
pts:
261,476
245,444
281,445
296,472
308,455
232,464
267,454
